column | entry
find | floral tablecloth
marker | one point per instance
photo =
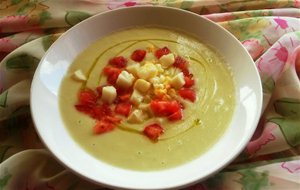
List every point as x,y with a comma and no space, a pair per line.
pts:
269,29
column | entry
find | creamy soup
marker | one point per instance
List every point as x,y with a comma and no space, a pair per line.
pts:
169,97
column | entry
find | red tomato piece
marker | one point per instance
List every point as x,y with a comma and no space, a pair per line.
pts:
138,55
118,61
164,108
176,116
153,131
124,94
99,90
101,111
162,51
103,127
87,109
87,97
187,93
108,70
182,64
112,74
112,119
125,97
112,79
189,82
123,108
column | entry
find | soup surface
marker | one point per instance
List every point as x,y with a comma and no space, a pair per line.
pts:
182,105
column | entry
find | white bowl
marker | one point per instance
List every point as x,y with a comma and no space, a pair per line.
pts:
53,66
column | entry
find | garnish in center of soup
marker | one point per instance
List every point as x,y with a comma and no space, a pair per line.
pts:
149,85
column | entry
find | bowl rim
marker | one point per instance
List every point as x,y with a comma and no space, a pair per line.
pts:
183,184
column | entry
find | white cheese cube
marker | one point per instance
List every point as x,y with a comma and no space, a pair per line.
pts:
178,81
167,60
79,76
136,97
142,85
125,79
109,94
137,116
133,69
147,71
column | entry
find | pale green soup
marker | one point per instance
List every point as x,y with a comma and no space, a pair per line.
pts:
203,123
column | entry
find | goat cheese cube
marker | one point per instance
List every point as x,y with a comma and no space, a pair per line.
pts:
78,75
167,60
133,69
142,85
109,94
137,116
147,71
125,79
178,81
136,97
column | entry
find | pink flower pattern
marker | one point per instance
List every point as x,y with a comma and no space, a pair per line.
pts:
292,166
265,138
14,23
6,45
254,47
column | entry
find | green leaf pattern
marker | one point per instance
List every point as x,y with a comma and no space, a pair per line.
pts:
4,179
47,41
74,17
22,61
3,150
252,180
289,122
268,84
3,99
44,16
287,107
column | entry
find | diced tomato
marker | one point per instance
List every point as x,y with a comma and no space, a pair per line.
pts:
112,119
103,127
112,79
125,97
187,93
87,109
112,74
87,97
176,116
108,70
189,82
123,108
99,90
162,51
164,108
138,55
182,64
118,61
124,94
100,111
153,131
